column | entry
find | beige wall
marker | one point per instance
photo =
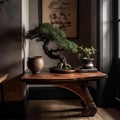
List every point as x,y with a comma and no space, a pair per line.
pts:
11,55
36,47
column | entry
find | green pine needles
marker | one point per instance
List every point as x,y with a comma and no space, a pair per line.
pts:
47,31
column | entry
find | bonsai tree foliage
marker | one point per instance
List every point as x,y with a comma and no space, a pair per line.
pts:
86,52
47,33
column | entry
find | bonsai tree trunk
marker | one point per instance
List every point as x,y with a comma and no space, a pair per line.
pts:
50,53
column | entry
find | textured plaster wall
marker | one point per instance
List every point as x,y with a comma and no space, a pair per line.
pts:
11,61
36,47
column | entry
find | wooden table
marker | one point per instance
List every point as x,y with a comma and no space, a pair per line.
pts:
74,82
3,78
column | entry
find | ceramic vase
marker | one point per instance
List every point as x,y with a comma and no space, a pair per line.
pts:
35,64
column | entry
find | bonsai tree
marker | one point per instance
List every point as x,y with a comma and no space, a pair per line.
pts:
47,33
85,54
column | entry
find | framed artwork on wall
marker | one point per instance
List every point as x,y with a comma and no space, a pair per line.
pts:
63,14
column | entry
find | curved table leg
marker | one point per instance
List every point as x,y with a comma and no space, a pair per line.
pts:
82,91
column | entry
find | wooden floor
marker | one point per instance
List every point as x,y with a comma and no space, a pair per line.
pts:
65,110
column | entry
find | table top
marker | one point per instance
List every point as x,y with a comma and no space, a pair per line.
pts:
3,77
47,77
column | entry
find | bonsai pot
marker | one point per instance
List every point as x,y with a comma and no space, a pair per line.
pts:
56,69
87,63
35,64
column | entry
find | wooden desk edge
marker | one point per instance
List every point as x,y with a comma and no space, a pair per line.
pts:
27,78
3,78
